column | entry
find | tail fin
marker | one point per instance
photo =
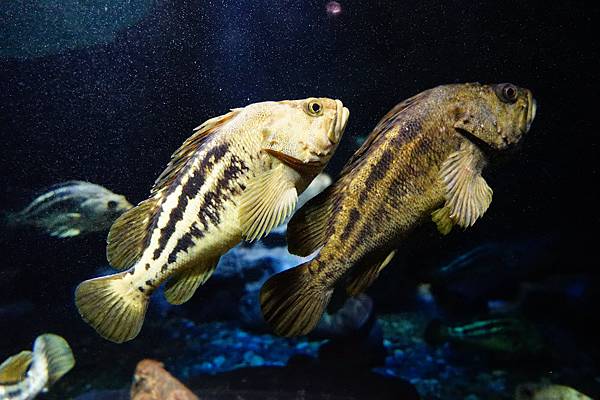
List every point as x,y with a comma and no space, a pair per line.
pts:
113,307
57,353
10,219
434,333
14,369
292,303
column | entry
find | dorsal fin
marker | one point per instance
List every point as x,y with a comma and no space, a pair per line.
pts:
185,152
129,233
307,230
383,126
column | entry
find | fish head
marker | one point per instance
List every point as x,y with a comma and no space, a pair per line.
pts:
494,116
304,134
116,204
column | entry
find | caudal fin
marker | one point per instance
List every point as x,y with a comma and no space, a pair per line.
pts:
292,303
57,353
113,307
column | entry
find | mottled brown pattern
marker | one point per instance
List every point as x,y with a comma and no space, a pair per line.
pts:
395,186
391,184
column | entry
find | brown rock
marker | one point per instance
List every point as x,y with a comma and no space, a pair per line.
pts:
152,382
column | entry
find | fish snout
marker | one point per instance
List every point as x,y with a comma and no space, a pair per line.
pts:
531,110
339,123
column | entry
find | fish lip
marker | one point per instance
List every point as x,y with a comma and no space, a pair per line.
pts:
339,124
531,110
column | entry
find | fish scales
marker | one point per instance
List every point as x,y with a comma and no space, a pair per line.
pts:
236,178
423,160
200,199
398,177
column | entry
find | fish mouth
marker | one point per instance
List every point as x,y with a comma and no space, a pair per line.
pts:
339,124
531,111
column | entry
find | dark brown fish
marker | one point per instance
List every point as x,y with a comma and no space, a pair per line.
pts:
423,160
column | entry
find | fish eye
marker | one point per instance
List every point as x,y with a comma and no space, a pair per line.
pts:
314,108
507,92
111,204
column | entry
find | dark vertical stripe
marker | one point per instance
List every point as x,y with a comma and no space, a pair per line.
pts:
189,191
212,205
353,217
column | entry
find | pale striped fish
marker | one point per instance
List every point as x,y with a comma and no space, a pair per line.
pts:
72,208
236,178
25,375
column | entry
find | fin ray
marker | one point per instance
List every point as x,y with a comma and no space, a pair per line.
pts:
291,303
186,151
14,369
366,275
307,230
182,286
58,355
112,307
267,201
468,195
128,235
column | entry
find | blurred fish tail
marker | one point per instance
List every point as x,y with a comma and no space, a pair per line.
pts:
57,355
26,374
10,219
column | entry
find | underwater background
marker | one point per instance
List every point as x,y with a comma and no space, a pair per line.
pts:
106,91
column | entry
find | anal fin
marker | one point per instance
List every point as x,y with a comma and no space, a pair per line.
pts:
14,369
366,275
182,286
442,220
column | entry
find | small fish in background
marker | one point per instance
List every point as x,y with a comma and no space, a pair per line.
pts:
236,178
25,375
542,391
72,208
423,160
511,337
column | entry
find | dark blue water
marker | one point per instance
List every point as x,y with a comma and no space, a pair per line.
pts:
106,92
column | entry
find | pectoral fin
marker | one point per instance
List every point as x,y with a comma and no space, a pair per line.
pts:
267,201
14,369
468,195
365,277
182,286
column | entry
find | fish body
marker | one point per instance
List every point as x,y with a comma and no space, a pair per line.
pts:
535,391
72,208
510,336
25,375
423,160
236,178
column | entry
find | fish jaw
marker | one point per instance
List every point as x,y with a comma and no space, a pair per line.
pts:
531,111
341,119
